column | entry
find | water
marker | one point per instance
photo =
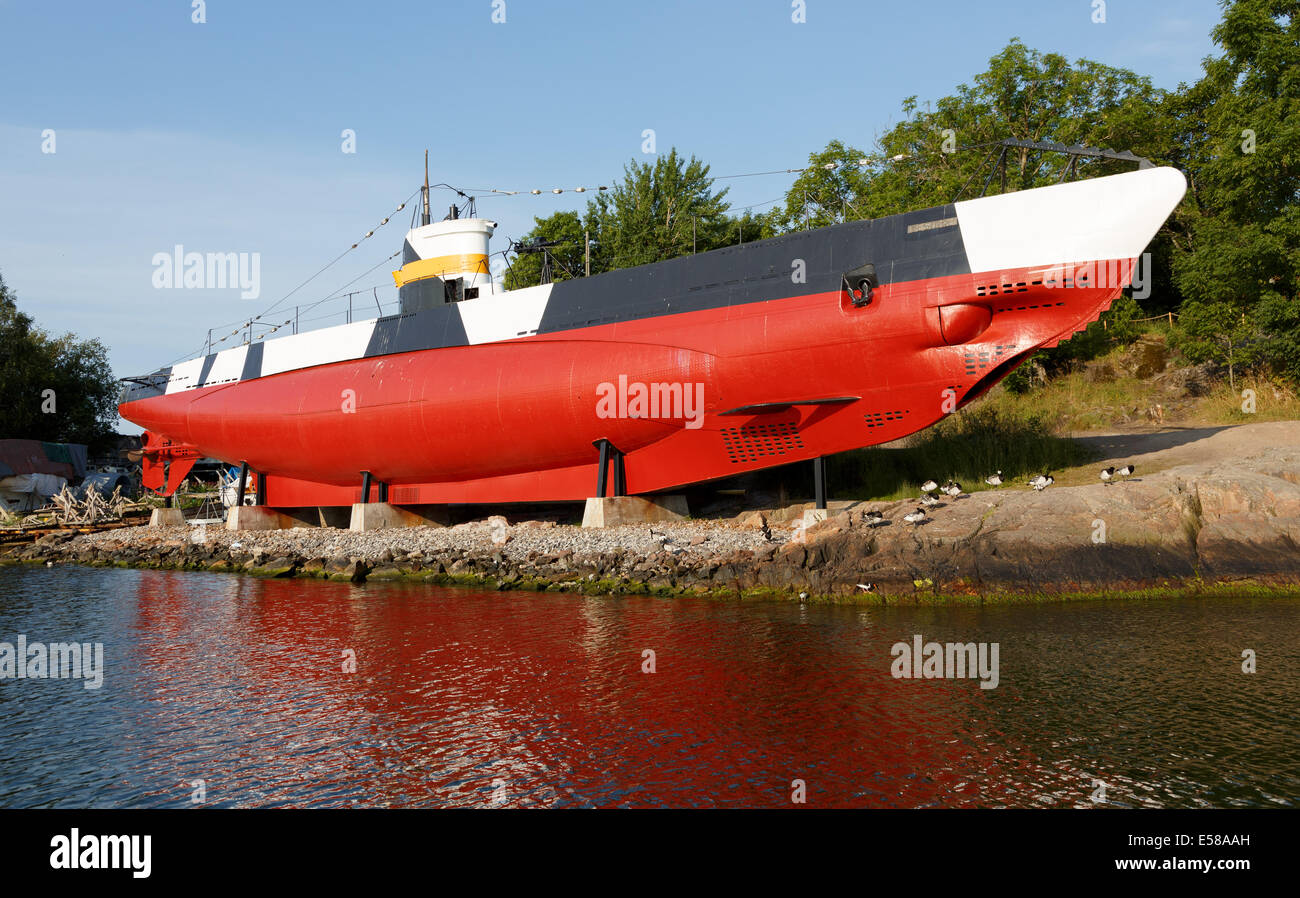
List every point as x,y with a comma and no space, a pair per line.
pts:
509,699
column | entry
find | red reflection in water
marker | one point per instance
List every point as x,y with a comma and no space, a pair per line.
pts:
467,698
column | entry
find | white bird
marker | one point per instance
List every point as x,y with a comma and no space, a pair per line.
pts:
1126,471
872,518
915,517
1107,474
952,488
929,501
994,479
867,587
1042,482
929,486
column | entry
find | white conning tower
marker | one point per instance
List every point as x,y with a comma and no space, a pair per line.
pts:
452,256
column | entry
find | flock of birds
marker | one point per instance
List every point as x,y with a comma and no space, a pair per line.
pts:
929,499
953,490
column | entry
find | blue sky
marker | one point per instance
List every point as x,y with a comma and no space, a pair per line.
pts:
226,136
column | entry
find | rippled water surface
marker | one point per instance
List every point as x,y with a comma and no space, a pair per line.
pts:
512,699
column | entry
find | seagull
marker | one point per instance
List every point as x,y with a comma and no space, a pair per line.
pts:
929,501
1107,474
1042,482
915,517
994,479
1126,471
872,518
952,488
929,486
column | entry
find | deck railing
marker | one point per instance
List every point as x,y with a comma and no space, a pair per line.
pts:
358,305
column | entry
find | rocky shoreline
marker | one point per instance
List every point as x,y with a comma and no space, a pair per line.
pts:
1231,520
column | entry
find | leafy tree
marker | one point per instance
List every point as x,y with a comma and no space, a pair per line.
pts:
1024,94
32,362
1217,332
1237,258
660,210
826,192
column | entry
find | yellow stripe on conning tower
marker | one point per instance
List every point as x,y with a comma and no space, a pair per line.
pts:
469,263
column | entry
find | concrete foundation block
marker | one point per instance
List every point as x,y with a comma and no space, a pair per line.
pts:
381,516
167,517
258,517
614,511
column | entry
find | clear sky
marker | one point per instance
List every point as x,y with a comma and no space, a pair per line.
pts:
226,136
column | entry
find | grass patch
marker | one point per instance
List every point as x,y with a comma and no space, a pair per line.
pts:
967,447
1273,401
1102,395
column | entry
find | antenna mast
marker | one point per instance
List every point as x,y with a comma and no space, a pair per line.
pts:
424,220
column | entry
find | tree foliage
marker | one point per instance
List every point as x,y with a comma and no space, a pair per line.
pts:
830,190
83,405
1237,253
660,210
1024,94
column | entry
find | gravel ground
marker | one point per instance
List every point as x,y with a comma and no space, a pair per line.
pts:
694,539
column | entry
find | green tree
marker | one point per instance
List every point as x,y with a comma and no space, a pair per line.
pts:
826,192
1217,332
1237,257
659,211
1024,94
84,397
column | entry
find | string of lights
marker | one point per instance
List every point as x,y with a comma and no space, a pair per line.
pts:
538,191
247,324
